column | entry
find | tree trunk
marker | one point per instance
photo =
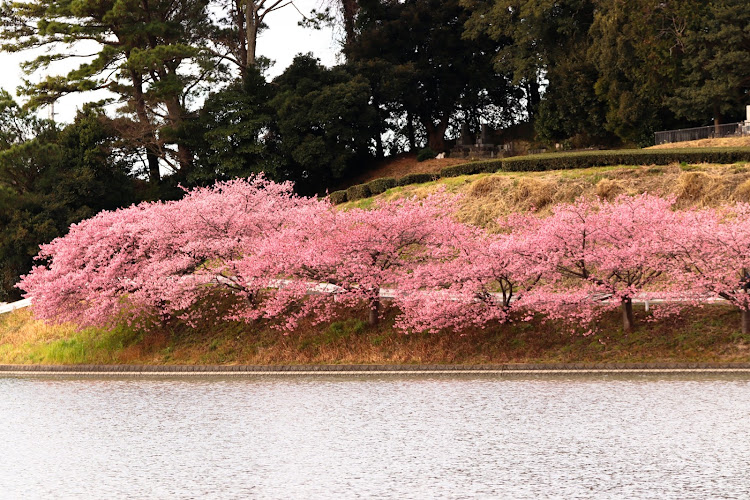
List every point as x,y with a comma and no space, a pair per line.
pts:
379,153
185,157
176,116
152,159
374,316
410,132
149,137
349,8
436,134
627,315
533,98
717,121
251,30
745,321
241,50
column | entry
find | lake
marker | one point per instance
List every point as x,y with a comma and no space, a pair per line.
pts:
630,436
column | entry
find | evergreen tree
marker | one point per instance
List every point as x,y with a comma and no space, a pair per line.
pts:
49,179
232,132
323,123
570,109
638,59
154,56
535,39
442,75
714,39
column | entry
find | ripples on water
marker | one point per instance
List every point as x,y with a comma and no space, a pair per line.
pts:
578,437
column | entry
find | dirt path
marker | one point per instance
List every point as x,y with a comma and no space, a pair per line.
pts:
406,163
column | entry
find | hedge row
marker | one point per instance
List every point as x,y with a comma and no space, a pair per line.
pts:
561,161
553,161
338,197
381,185
378,186
478,167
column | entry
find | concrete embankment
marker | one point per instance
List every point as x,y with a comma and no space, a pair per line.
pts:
370,370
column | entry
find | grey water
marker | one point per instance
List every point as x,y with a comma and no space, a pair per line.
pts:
661,437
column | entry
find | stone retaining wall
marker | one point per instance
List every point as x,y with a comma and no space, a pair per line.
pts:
250,370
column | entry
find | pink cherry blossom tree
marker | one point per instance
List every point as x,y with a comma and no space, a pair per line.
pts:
711,248
163,257
599,255
353,255
281,256
482,278
93,267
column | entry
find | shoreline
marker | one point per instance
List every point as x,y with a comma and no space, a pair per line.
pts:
371,370
706,339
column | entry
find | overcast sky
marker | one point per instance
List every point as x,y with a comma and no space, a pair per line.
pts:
281,42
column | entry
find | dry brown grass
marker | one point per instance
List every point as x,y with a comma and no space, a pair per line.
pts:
489,186
724,142
19,327
742,192
707,334
530,193
700,189
609,189
489,196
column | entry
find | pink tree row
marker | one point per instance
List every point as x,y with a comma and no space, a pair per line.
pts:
286,257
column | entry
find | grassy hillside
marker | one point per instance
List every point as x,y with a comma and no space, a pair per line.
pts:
406,163
489,196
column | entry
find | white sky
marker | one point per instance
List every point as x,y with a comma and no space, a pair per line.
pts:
281,42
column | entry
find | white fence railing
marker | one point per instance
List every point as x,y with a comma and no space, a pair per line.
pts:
6,308
389,293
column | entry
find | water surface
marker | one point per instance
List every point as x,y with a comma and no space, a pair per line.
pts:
655,437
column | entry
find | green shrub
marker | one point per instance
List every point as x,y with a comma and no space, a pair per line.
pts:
357,192
488,166
562,161
426,154
381,185
416,179
471,168
338,197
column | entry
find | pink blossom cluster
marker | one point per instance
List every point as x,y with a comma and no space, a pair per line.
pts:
284,257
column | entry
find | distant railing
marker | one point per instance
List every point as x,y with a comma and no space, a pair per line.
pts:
5,307
390,294
693,134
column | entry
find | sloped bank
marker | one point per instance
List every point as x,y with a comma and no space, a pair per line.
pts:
511,369
552,161
489,196
705,335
